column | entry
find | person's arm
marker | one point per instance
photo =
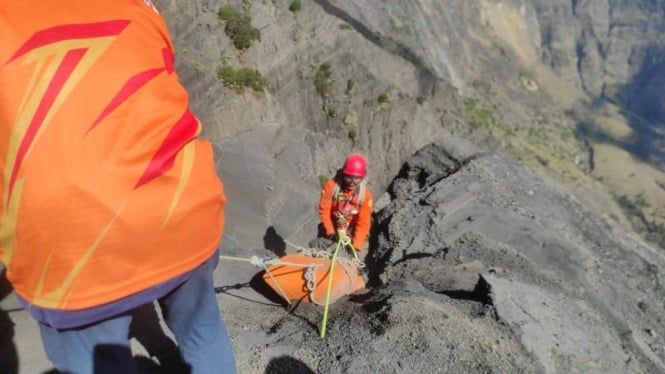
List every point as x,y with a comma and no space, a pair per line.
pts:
325,206
363,222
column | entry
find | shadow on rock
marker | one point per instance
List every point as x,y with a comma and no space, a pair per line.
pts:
274,242
259,285
8,353
287,365
147,330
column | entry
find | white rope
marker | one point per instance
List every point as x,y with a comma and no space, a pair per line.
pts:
316,253
259,262
281,291
263,263
310,273
297,247
310,278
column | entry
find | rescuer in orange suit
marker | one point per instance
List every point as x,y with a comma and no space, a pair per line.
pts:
109,200
345,206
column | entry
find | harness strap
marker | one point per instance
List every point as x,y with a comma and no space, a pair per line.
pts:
360,192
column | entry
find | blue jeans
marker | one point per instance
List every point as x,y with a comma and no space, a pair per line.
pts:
190,311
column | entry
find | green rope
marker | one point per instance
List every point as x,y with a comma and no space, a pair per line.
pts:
343,239
330,276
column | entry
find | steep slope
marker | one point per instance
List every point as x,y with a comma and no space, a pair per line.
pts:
528,77
471,274
578,292
543,80
539,79
318,128
586,67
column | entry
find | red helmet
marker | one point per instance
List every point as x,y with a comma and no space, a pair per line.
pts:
355,165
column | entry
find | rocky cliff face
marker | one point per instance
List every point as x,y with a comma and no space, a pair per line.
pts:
476,266
479,266
560,278
319,128
539,79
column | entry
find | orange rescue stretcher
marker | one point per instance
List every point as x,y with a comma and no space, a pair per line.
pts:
300,277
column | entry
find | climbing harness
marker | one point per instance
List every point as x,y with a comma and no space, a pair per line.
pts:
348,207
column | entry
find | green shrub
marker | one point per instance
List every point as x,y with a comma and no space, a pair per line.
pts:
470,104
323,179
238,27
628,206
322,79
485,116
353,135
383,98
332,112
541,120
349,87
482,117
420,100
409,55
482,86
651,230
295,6
243,77
543,161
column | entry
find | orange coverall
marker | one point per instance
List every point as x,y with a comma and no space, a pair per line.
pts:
358,223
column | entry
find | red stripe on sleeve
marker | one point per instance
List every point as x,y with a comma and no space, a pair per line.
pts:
181,133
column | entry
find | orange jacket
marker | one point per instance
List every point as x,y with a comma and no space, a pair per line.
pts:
359,222
105,188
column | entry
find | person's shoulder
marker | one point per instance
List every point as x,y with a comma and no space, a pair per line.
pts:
332,181
365,186
329,186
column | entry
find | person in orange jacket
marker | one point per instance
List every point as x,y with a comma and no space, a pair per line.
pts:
108,198
345,205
